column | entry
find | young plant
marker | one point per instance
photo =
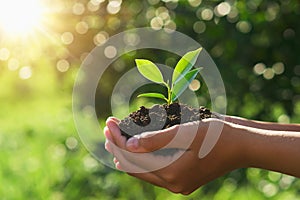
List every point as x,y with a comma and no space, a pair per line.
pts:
181,78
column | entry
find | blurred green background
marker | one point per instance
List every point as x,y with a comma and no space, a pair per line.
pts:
255,45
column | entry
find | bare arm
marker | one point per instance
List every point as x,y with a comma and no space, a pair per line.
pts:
273,150
262,125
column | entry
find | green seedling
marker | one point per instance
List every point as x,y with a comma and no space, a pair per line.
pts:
182,76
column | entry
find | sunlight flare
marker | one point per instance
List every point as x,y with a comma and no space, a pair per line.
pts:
18,17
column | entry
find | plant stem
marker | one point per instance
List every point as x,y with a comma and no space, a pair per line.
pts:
169,99
169,96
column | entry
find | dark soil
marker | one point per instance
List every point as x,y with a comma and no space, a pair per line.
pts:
160,117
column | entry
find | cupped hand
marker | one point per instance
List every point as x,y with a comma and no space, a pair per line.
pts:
183,171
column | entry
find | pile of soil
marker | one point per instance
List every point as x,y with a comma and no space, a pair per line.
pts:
160,117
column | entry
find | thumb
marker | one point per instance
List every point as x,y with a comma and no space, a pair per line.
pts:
178,136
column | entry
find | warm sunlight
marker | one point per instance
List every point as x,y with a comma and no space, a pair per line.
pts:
19,17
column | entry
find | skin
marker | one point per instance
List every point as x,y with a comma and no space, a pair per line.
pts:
242,143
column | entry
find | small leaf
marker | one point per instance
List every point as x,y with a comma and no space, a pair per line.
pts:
153,95
183,83
149,70
185,64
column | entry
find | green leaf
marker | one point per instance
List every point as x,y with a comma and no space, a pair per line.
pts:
183,83
185,64
153,95
149,70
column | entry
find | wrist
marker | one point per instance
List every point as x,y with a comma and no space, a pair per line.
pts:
241,141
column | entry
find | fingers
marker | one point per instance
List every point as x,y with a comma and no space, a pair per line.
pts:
113,133
178,136
107,146
116,145
146,161
107,133
106,130
133,170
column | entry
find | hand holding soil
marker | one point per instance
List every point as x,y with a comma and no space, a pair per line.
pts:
243,143
161,117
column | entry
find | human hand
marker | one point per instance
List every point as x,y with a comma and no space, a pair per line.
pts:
184,171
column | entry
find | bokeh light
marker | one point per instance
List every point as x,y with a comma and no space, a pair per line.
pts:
67,38
131,39
71,143
195,3
199,27
194,85
268,74
259,68
100,38
110,51
244,26
94,5
283,119
278,68
25,72
157,23
62,65
4,54
82,27
272,11
90,163
223,9
78,8
13,64
160,18
207,14
114,6
233,15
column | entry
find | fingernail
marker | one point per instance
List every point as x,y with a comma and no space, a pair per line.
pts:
132,143
108,119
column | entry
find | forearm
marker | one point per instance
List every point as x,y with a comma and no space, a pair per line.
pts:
263,125
272,150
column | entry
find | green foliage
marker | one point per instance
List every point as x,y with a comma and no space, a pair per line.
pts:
185,64
182,83
155,95
181,78
149,70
